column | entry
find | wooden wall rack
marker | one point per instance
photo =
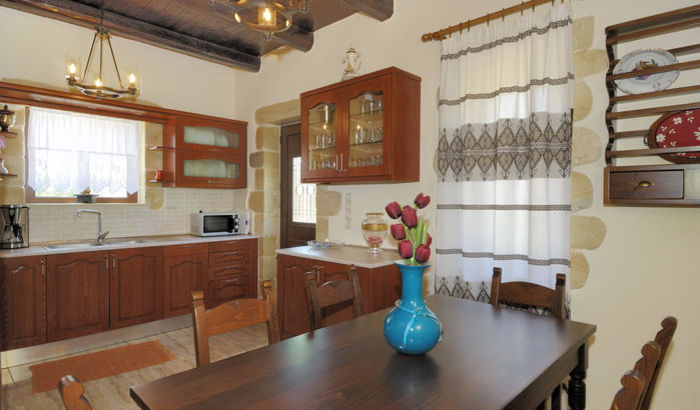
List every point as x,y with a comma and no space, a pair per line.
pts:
651,185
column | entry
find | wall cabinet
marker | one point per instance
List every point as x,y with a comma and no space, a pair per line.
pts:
185,270
135,286
23,302
363,129
77,294
61,296
206,152
381,287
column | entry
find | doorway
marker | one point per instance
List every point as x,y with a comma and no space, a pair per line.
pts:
298,201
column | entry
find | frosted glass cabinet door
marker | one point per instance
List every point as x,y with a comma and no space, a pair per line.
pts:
198,134
211,170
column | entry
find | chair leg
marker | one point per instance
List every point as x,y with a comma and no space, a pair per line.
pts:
556,398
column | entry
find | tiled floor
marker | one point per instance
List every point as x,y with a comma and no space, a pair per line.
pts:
113,392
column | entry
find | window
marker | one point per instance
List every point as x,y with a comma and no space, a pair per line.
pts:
68,152
303,196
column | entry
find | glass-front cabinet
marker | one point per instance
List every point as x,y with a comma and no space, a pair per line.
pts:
207,152
366,128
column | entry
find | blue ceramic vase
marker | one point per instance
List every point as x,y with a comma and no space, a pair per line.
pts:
411,327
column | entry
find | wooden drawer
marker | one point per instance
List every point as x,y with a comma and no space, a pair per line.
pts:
662,184
228,270
232,257
223,290
231,245
188,249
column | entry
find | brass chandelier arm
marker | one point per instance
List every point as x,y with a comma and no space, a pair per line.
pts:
114,60
92,47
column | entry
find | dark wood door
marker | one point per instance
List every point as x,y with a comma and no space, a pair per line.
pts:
293,233
23,283
184,271
77,294
135,286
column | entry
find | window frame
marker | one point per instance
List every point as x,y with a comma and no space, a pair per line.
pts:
30,194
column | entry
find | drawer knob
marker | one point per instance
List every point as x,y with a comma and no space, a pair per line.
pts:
643,184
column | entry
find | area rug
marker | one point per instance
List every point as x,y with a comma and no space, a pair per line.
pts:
91,366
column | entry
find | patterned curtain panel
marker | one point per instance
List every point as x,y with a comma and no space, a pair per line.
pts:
504,155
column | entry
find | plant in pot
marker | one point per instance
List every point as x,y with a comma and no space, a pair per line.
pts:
411,327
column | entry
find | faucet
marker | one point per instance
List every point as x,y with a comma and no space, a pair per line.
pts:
100,235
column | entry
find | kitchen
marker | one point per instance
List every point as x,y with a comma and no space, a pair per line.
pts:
619,280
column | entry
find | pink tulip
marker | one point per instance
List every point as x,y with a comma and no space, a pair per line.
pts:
422,254
397,232
428,239
409,216
421,201
405,249
393,210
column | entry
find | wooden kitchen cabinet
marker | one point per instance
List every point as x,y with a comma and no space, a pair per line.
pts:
232,271
363,129
77,294
23,284
135,286
381,287
184,271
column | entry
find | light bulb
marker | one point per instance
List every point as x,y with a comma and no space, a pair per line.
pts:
72,68
267,15
325,126
132,79
98,83
237,17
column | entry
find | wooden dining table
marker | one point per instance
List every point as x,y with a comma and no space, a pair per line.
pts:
489,358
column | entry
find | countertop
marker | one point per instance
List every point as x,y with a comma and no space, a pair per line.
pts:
345,254
43,248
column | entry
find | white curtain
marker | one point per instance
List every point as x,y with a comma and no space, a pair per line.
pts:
69,151
504,153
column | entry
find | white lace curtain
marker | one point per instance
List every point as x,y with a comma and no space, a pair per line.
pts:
68,152
504,153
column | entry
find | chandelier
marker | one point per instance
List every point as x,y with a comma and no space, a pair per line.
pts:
266,16
98,89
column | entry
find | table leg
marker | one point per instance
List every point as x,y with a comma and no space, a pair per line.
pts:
577,387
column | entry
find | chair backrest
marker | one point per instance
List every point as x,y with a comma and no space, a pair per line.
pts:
230,316
526,293
635,382
332,293
663,338
71,391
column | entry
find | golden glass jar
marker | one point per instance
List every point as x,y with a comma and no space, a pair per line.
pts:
374,230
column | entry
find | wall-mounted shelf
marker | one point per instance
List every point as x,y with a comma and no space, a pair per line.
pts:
8,134
160,148
668,184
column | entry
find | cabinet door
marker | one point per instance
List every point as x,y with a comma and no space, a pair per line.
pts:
135,286
211,135
23,302
321,135
203,169
292,306
368,127
77,297
183,275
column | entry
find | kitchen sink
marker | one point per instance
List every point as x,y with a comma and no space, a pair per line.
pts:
89,244
66,245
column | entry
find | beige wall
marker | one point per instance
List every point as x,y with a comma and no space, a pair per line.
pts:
36,50
645,268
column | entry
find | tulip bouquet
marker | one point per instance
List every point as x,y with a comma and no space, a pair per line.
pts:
412,231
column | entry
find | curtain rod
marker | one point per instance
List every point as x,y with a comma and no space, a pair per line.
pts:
443,33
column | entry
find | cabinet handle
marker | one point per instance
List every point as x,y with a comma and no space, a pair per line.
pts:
231,267
231,253
233,280
43,269
212,181
107,262
114,262
342,169
643,184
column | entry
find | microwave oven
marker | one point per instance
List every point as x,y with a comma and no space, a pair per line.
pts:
220,223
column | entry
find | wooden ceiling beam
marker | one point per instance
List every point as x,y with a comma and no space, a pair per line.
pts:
88,16
379,9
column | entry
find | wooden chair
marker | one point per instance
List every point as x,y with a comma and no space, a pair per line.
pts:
332,293
636,382
230,316
531,294
526,293
71,391
663,338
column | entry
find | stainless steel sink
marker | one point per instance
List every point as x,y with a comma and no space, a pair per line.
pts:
124,240
66,245
89,244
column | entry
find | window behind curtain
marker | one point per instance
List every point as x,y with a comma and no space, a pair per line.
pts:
68,152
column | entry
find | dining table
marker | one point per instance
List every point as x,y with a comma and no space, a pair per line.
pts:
490,357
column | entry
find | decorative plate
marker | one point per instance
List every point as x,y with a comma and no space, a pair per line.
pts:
677,129
641,59
324,244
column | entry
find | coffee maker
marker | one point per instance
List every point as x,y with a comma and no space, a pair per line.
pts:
15,226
